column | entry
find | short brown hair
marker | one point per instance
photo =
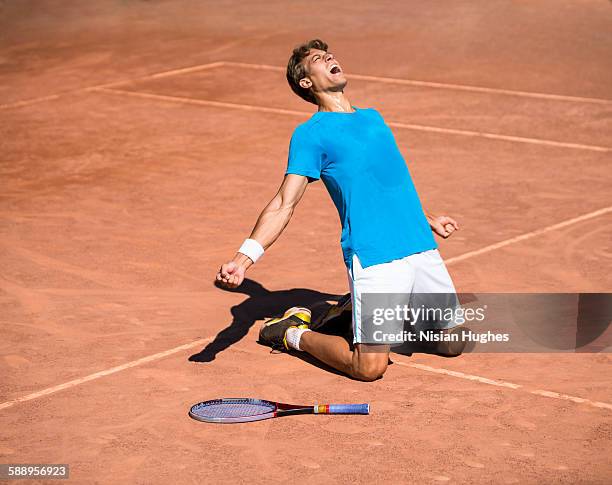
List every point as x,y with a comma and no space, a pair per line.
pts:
296,71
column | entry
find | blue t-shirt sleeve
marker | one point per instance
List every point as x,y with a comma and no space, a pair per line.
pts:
305,154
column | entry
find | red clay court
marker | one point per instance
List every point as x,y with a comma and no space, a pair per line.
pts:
140,140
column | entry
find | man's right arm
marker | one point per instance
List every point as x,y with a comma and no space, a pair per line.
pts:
269,226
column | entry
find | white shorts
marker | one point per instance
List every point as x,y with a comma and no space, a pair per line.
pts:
418,273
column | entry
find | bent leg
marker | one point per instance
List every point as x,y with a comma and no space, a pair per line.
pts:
365,363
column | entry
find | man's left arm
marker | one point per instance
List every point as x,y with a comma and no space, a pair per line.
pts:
443,226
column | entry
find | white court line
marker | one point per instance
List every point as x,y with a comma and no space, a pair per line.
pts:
430,84
496,136
103,373
509,385
432,129
528,235
566,397
171,72
162,74
201,102
27,102
461,375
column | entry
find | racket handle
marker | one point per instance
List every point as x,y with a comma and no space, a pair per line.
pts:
343,409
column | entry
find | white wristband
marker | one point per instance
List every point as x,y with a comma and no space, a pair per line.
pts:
252,249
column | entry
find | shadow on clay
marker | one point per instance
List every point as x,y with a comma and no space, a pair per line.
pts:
261,304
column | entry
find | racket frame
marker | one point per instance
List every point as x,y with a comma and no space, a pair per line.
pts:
277,410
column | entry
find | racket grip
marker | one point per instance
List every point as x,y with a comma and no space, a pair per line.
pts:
348,409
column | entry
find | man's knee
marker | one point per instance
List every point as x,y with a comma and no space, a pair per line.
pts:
370,369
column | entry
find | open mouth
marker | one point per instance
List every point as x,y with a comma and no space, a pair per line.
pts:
335,69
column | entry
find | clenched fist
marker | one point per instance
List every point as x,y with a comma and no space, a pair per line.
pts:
230,275
443,226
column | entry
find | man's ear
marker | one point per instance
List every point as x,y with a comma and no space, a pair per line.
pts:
305,83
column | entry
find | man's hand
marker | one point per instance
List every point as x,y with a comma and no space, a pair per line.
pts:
443,226
231,274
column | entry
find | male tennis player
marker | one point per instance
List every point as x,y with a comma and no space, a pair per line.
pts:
387,240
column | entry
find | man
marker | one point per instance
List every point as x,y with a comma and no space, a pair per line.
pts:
386,240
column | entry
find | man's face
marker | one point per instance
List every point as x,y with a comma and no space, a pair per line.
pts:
323,72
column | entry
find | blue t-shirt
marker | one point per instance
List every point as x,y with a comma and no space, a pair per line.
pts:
356,156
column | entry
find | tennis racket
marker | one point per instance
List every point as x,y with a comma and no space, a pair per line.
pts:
243,410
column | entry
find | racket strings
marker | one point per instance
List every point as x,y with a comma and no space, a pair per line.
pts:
232,409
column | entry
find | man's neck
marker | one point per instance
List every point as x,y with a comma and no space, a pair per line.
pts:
335,102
